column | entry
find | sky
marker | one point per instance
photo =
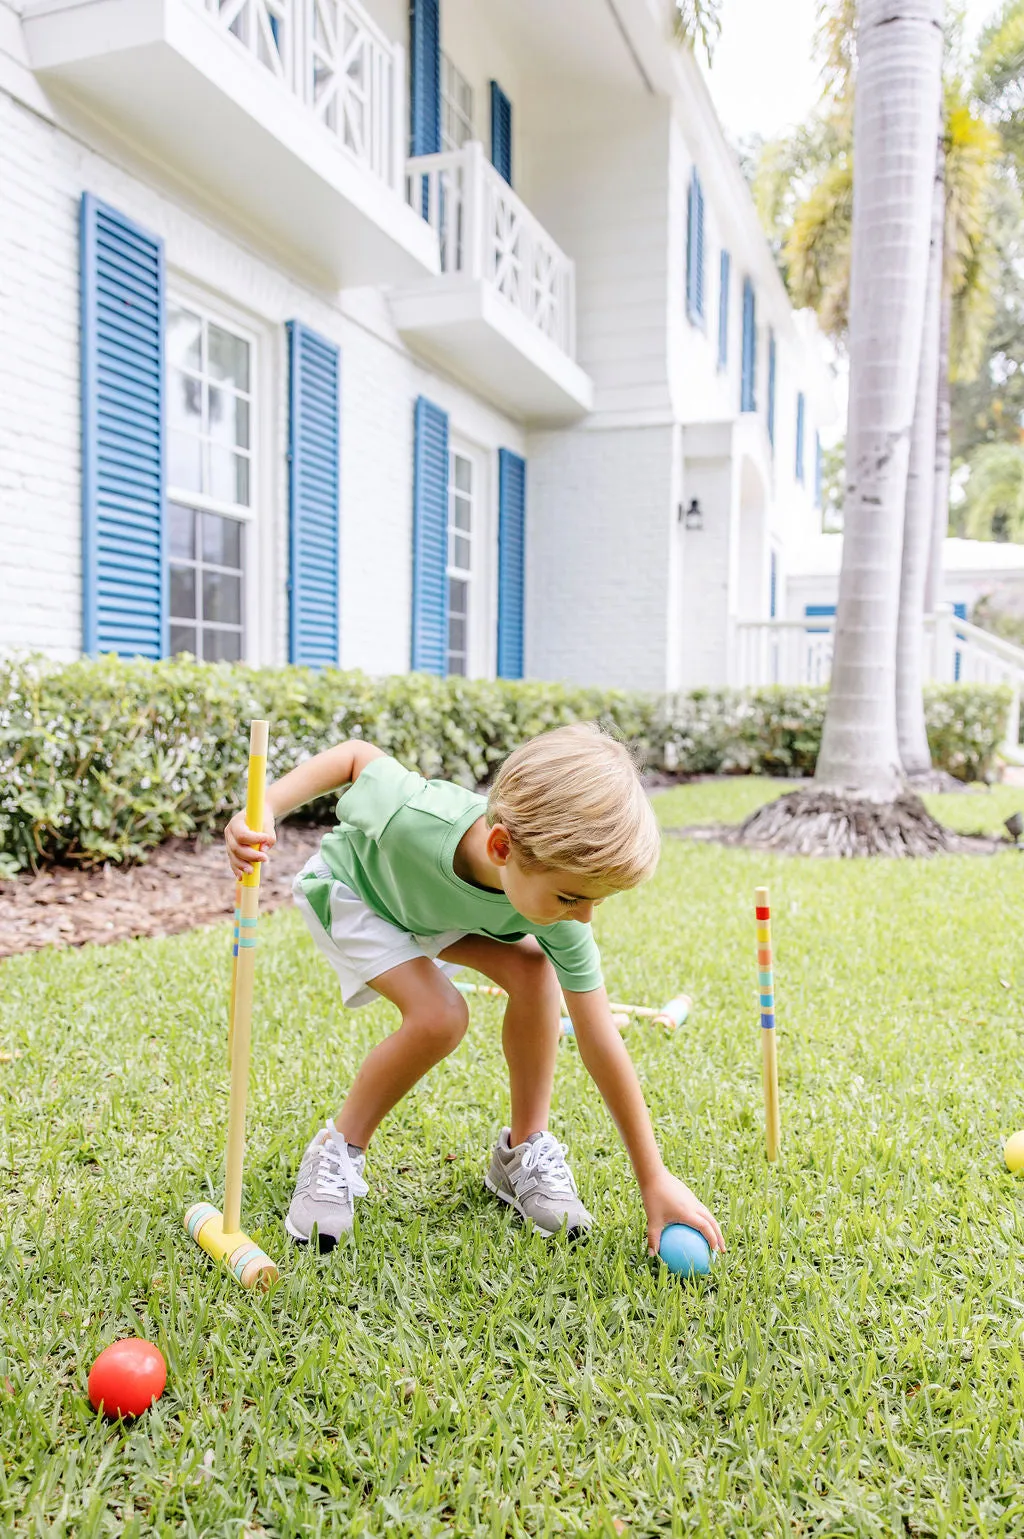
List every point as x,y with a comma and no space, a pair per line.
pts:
764,79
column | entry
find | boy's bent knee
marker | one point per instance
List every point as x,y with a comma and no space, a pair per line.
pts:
442,1023
533,974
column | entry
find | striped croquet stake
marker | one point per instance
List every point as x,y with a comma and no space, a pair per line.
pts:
222,1236
766,982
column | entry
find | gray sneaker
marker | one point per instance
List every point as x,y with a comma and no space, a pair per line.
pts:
330,1179
534,1179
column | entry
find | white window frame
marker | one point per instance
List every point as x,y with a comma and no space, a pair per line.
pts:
468,574
260,554
451,109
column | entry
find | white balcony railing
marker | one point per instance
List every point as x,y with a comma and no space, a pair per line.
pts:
487,232
800,652
335,59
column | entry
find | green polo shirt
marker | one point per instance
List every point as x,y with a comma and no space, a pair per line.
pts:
394,845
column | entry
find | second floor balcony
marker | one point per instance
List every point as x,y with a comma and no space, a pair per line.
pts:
289,114
502,314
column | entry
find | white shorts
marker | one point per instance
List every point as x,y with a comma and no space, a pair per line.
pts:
361,945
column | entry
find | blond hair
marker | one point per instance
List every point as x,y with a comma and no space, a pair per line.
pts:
572,801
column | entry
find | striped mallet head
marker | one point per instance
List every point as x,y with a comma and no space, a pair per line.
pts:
251,1266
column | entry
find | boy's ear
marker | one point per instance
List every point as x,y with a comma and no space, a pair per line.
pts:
499,844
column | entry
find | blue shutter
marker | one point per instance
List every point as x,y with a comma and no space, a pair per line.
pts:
695,251
748,393
501,132
771,388
511,553
773,585
424,86
700,248
124,607
800,436
313,483
424,77
960,612
430,540
817,470
723,310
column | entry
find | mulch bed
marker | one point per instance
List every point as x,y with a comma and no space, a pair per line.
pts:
183,884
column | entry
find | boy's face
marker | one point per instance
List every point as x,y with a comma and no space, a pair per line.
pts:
543,896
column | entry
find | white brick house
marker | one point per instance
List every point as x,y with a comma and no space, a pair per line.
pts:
440,335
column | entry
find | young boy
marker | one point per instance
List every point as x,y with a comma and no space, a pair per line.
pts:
421,878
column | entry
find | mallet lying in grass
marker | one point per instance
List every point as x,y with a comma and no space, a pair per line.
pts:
221,1234
671,1015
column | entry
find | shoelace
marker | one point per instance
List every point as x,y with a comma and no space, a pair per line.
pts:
336,1175
544,1160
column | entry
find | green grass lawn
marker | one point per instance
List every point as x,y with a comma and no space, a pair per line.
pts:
854,1367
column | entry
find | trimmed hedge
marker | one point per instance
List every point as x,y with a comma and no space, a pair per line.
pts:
103,759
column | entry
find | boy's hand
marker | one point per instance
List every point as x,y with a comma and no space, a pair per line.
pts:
245,847
669,1201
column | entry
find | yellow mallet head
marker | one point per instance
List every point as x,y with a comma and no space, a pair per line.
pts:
250,1265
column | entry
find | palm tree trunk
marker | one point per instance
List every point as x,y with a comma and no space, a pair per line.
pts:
919,521
898,87
943,455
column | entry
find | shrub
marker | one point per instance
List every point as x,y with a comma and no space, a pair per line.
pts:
102,759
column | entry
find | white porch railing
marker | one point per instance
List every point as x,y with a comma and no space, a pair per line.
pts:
800,652
337,61
486,231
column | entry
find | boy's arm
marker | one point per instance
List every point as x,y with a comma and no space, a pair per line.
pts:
326,771
666,1199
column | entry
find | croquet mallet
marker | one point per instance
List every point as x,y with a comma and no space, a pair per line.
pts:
671,1015
766,987
221,1235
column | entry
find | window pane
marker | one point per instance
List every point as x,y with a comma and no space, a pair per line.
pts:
460,553
183,592
228,418
185,401
242,480
222,646
456,634
457,665
463,474
462,510
222,598
229,357
184,334
185,462
241,423
181,529
183,639
222,541
458,594
222,475
221,416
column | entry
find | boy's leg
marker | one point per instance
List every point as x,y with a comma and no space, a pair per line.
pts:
531,1029
527,1169
434,1021
330,1178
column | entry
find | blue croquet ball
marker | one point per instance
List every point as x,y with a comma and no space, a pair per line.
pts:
685,1251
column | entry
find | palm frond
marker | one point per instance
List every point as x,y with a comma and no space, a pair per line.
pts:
698,22
995,493
818,248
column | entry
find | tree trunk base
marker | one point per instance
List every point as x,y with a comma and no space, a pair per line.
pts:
818,822
926,782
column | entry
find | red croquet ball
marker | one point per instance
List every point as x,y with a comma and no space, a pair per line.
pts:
127,1377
